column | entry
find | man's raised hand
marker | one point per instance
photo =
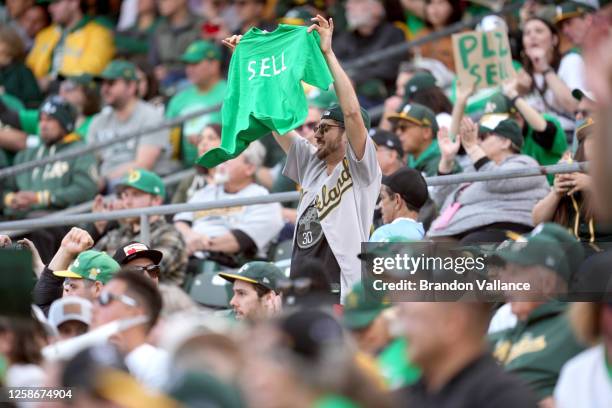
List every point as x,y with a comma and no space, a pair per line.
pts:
232,42
325,28
76,241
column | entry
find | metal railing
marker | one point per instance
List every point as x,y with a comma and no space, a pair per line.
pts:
349,66
145,213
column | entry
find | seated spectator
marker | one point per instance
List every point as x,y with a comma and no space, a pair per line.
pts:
250,14
177,29
130,295
32,20
242,231
414,10
21,340
446,340
207,89
395,102
126,113
133,43
585,379
138,257
389,151
74,44
209,138
438,15
543,135
416,127
70,316
141,189
549,78
570,202
59,184
402,196
538,346
573,19
483,211
256,294
369,32
15,77
15,10
422,89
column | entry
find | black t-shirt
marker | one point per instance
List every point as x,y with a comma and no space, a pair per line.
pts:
310,243
483,383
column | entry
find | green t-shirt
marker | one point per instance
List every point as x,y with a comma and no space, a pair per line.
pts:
546,156
265,91
187,101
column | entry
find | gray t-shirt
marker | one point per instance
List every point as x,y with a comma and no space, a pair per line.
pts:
344,199
105,125
261,222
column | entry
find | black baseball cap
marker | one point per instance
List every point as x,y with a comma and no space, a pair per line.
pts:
134,250
509,129
387,139
410,185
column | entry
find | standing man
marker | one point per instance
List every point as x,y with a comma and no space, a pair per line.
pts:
128,113
339,175
207,89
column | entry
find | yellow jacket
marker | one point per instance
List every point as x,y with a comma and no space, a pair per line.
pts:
88,48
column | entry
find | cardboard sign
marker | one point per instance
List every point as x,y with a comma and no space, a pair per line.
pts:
482,58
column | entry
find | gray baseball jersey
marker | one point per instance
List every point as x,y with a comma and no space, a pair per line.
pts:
344,200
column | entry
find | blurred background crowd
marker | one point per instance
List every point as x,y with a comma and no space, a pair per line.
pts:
204,313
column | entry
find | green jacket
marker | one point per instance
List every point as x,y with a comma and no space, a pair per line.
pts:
60,184
537,348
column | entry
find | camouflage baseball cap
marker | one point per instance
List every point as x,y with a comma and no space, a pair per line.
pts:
258,273
360,310
92,265
144,180
417,114
200,50
549,245
120,69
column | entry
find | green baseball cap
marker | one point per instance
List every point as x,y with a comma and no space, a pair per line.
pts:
144,180
334,112
322,99
419,82
61,110
417,114
298,16
578,94
498,103
200,50
92,265
258,273
509,129
361,310
120,69
571,9
549,245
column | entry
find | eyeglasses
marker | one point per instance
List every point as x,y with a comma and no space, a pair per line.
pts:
585,113
151,270
323,128
402,127
107,298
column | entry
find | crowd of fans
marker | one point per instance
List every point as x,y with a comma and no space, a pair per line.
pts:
261,305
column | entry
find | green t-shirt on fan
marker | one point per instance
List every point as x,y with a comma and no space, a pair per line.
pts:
191,100
265,91
543,156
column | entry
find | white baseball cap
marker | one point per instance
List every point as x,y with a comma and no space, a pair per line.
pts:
70,308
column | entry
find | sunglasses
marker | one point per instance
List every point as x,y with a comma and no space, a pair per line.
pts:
583,112
151,270
402,127
325,127
107,298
